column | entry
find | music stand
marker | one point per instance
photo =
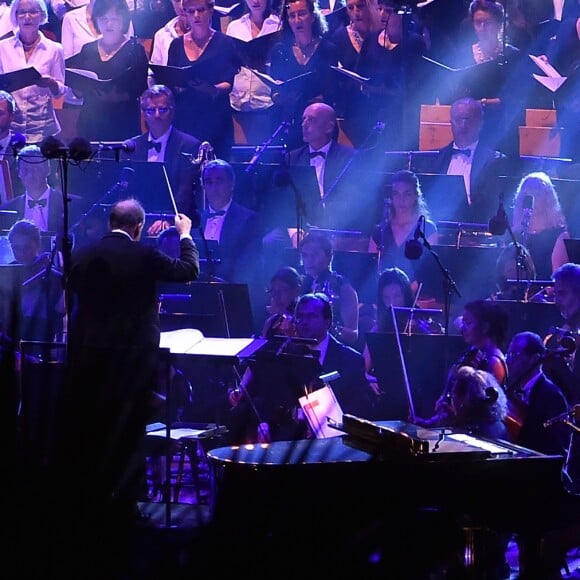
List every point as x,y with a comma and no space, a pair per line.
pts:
90,179
415,161
217,309
11,278
445,196
426,357
536,317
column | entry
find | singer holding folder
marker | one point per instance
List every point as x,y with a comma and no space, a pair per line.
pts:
111,110
203,106
29,47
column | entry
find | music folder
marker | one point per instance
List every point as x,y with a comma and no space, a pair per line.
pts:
84,81
281,84
19,79
253,53
190,341
184,76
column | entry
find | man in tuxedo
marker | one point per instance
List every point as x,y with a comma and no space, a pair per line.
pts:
113,369
331,207
479,165
541,398
40,203
266,414
234,228
163,143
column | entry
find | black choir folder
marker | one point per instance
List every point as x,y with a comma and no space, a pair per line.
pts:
84,81
19,79
280,84
184,76
254,53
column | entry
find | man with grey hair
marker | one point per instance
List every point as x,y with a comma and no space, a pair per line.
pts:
478,164
163,143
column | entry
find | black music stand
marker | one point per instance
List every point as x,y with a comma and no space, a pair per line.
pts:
217,309
91,179
11,278
446,196
426,359
415,161
536,317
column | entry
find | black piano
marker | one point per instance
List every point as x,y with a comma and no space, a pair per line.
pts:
379,495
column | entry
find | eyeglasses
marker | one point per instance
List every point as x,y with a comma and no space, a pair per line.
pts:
514,353
192,11
31,12
150,111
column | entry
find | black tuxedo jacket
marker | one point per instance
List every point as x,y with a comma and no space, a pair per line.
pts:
239,248
336,211
546,401
114,293
183,175
55,210
487,165
352,389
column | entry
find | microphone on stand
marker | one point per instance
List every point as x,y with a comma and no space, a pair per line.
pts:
527,210
414,248
499,222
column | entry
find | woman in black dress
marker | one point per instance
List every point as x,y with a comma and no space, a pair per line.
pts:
304,49
112,113
203,106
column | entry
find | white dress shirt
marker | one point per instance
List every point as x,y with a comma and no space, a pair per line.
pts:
461,165
319,165
214,225
37,214
153,155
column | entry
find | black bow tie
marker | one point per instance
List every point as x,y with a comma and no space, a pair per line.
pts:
154,145
34,202
318,154
214,214
466,152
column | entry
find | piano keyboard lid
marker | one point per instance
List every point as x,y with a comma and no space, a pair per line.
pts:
399,437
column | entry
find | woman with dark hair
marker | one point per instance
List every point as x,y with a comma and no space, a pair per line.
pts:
484,326
284,290
303,49
111,113
402,211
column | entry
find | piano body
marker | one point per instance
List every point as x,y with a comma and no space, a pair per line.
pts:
419,497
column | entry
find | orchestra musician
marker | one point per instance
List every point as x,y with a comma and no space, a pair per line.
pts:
42,294
285,288
316,251
484,327
536,397
565,371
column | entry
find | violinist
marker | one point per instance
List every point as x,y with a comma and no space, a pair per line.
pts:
42,296
484,325
317,252
285,288
565,371
536,397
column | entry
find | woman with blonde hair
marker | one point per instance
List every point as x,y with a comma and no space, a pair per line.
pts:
539,223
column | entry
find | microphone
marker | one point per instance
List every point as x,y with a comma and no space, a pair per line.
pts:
79,149
498,223
127,146
414,248
573,413
528,208
52,148
17,142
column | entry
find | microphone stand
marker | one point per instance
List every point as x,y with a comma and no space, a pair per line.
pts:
261,148
449,284
376,130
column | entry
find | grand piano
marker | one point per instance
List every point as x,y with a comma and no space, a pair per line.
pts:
379,496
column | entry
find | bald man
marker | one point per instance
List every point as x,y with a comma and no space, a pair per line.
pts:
328,157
